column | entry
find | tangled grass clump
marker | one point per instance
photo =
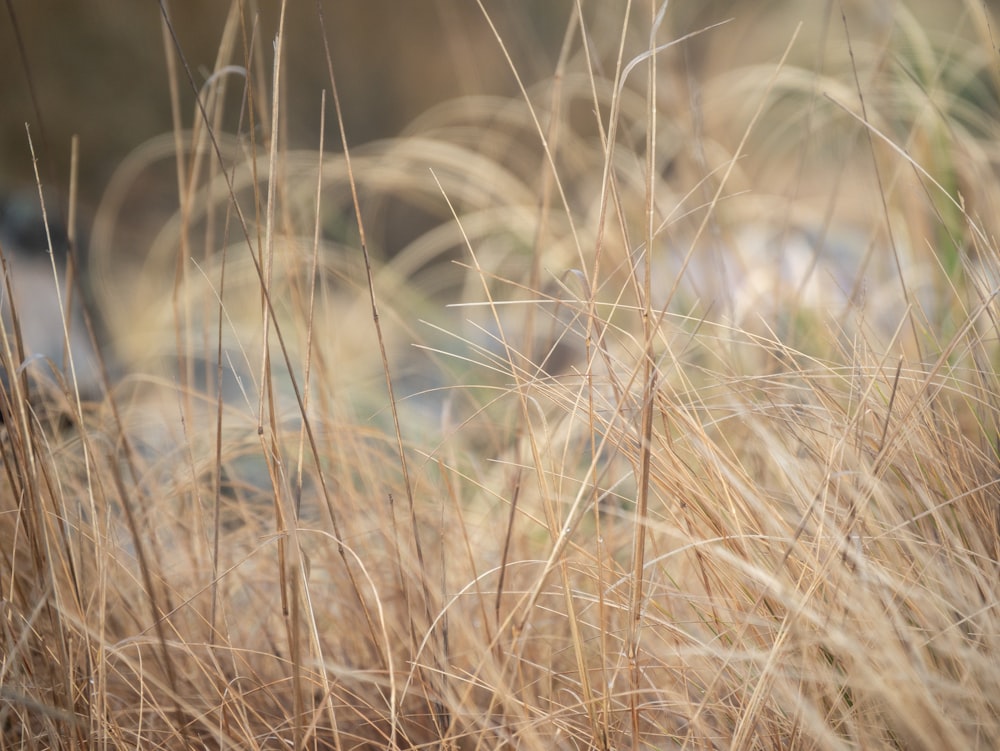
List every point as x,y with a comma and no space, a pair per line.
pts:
685,455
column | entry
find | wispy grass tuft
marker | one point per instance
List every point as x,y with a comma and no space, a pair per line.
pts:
653,408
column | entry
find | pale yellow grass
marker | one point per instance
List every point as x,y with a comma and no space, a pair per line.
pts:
553,474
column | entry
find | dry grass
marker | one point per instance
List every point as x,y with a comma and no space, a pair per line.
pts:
697,448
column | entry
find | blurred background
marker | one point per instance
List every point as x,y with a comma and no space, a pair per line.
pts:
98,68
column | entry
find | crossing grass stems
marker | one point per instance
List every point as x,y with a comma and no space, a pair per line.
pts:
637,513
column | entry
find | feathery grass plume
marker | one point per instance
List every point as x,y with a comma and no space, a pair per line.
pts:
695,440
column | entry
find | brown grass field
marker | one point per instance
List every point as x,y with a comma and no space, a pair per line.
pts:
652,406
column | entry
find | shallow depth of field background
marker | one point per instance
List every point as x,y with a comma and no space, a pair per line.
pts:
99,71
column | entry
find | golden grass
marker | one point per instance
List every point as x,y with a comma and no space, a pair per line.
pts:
697,447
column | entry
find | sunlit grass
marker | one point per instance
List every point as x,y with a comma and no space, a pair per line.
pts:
694,441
